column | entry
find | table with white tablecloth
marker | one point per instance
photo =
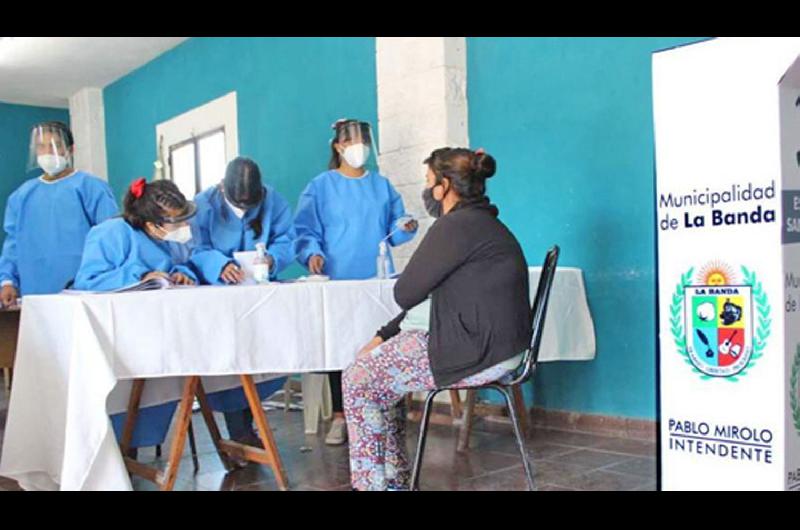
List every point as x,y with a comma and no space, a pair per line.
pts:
78,353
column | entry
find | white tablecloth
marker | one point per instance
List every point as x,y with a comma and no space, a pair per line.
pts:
77,355
568,328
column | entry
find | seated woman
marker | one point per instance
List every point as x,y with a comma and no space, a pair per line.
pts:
148,241
474,271
234,216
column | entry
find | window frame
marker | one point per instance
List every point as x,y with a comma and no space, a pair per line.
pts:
195,139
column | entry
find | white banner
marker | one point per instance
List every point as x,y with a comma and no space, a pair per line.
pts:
726,406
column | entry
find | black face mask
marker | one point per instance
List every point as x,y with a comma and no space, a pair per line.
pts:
433,206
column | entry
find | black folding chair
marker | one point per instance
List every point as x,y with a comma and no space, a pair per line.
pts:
505,386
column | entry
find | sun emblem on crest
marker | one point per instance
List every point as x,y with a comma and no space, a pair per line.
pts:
716,273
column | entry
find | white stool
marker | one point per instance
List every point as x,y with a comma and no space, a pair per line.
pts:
316,400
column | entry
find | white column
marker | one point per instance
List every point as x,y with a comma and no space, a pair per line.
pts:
422,105
87,121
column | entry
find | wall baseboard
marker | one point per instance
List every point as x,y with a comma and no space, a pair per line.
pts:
563,420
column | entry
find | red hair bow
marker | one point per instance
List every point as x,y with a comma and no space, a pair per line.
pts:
137,187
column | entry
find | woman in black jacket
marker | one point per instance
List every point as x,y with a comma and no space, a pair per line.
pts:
473,269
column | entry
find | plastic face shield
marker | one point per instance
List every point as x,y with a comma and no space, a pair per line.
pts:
244,197
185,215
48,139
350,132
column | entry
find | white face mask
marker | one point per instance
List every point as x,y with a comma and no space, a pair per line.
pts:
180,235
238,212
52,164
356,155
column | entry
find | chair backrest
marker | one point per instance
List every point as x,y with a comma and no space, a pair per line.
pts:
539,311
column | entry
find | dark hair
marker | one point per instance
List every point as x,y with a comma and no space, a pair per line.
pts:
466,169
340,135
151,205
243,174
63,127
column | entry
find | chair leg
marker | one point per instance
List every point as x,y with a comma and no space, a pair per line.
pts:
423,431
287,394
455,405
516,391
193,447
467,416
158,451
512,409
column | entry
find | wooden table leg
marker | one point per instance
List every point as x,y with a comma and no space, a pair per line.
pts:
130,417
466,421
268,454
211,424
165,480
181,429
264,431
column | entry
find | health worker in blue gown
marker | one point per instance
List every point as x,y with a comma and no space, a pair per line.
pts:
48,217
149,241
235,216
343,217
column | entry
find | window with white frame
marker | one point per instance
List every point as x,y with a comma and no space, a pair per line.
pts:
195,147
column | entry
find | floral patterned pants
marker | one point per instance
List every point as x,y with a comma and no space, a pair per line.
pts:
373,388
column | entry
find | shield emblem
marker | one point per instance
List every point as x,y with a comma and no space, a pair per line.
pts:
719,328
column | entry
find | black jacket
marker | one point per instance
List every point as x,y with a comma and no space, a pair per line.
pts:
475,271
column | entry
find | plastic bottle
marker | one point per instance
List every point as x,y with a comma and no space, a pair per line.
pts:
383,261
261,264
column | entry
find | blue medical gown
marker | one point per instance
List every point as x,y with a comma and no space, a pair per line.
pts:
117,255
217,233
233,400
46,224
344,220
152,424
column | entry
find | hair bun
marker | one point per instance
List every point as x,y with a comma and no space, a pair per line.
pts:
483,166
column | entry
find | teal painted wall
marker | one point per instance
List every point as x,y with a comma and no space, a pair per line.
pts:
569,120
570,123
15,129
289,91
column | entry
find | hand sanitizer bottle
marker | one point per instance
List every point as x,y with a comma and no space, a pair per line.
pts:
261,264
383,261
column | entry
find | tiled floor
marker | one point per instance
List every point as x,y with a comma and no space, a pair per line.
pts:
562,460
